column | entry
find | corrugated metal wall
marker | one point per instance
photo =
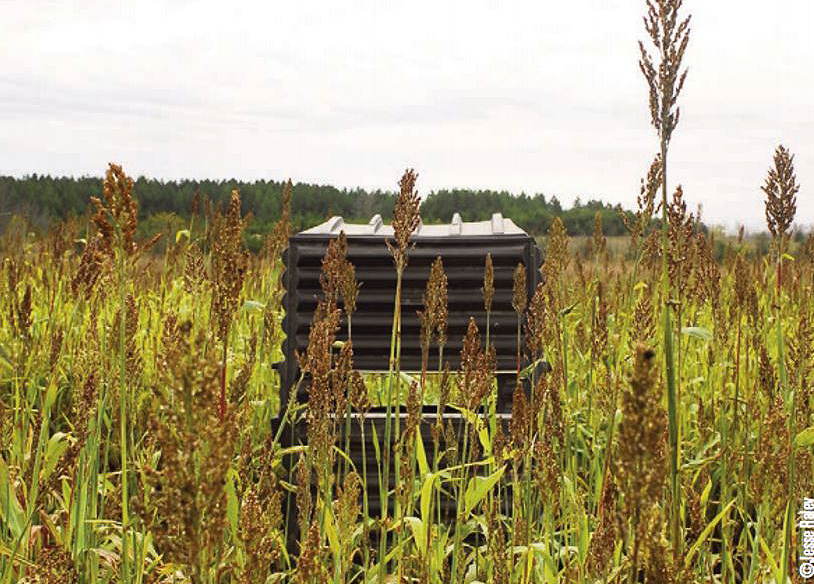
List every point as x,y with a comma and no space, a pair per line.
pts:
464,259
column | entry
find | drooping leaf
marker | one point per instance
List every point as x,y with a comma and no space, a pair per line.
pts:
698,332
804,438
705,533
253,305
478,487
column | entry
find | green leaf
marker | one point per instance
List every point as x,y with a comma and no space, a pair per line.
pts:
426,496
770,558
567,310
231,503
805,438
330,530
698,332
4,356
705,533
181,233
376,446
526,372
419,532
253,305
57,445
421,455
293,450
478,487
705,493
408,378
10,510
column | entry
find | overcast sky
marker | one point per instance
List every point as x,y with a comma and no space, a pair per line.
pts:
537,96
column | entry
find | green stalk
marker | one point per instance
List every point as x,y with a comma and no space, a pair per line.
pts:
125,568
394,331
672,392
459,512
439,421
529,517
347,416
365,530
790,400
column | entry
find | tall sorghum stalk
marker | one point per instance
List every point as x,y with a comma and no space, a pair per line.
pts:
360,401
474,382
349,290
781,205
338,280
488,291
665,79
435,313
116,218
273,247
405,221
228,270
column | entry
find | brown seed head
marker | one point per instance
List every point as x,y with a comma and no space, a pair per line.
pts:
488,288
536,322
707,274
600,549
680,256
520,422
333,268
770,474
228,266
119,208
644,326
439,300
641,450
808,247
599,243
646,203
664,78
556,258
519,292
781,197
474,379
406,218
94,262
358,397
277,241
194,269
599,339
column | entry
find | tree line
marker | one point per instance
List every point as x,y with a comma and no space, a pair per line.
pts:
42,199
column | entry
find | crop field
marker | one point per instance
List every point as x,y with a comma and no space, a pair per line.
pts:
667,439
138,398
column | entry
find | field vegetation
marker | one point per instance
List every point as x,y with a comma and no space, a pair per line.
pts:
668,440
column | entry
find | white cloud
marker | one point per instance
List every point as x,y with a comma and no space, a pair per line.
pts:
534,96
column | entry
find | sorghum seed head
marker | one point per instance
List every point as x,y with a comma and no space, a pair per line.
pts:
781,197
488,289
519,292
406,218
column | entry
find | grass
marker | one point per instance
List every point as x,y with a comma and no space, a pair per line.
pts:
117,464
